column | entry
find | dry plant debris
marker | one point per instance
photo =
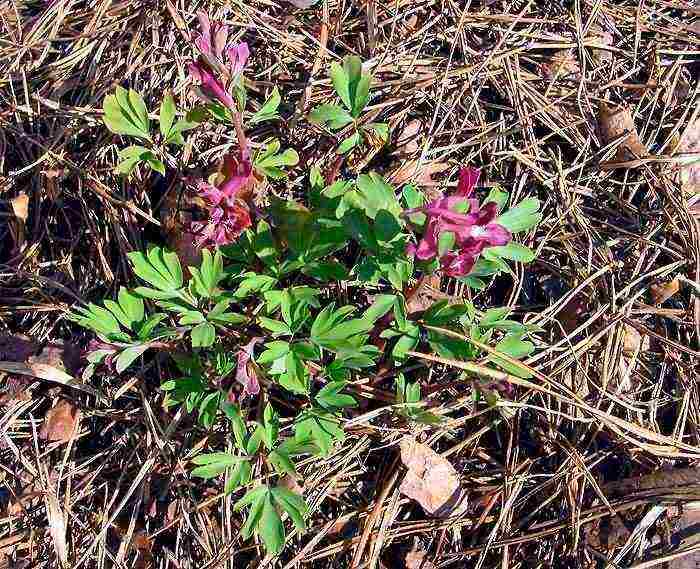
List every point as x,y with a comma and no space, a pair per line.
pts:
431,480
528,91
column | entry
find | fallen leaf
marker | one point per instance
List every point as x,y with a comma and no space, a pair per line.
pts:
52,177
144,548
419,173
290,483
633,341
407,139
689,150
424,294
601,37
661,292
431,480
562,62
16,388
570,315
20,209
615,122
61,422
302,4
415,559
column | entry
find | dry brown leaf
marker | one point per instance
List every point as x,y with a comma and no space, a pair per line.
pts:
415,559
419,173
20,209
424,294
689,148
601,37
61,422
407,139
661,292
290,483
144,547
615,122
633,341
562,62
431,480
15,388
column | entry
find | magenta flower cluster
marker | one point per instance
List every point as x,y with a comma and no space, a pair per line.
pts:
228,214
210,69
473,230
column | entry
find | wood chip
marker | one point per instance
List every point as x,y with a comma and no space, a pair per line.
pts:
431,480
615,122
61,422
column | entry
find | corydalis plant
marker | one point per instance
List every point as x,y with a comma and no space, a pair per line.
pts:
219,72
457,230
219,63
229,214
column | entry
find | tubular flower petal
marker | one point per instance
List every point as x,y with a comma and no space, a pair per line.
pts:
473,231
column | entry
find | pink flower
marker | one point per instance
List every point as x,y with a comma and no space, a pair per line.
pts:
245,376
210,69
473,231
229,216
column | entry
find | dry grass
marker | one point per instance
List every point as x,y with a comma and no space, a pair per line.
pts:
513,86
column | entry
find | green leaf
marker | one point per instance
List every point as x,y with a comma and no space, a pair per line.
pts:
270,528
132,307
274,326
382,304
264,244
167,114
349,143
521,217
139,107
203,335
362,95
282,463
296,377
238,476
256,498
269,109
213,464
254,283
156,165
330,396
336,117
120,118
371,195
293,504
446,242
155,268
240,432
127,357
493,315
341,84
251,497
512,251
498,196
352,65
319,426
